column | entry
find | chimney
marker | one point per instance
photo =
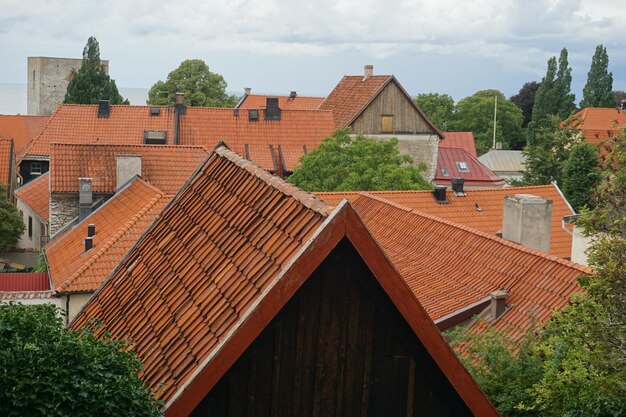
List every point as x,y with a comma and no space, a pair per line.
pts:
179,109
527,220
498,146
293,95
85,198
247,91
88,243
104,109
440,194
368,72
127,166
623,105
498,304
457,187
180,99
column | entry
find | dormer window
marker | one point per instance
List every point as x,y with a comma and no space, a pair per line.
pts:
35,168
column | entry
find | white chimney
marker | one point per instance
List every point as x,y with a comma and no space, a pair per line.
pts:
368,72
247,91
127,167
527,220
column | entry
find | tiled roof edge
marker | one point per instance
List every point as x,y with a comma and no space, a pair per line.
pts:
306,199
505,242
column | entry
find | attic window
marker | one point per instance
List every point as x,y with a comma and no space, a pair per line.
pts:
154,137
272,111
462,166
253,115
35,168
155,111
386,123
444,172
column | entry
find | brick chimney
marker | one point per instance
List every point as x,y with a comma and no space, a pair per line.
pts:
368,72
527,220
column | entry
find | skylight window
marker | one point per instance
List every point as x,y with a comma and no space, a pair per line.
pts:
462,166
444,172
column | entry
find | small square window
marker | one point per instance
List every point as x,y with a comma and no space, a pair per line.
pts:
35,168
444,172
462,166
386,123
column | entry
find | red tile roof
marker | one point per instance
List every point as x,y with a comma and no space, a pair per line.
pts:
6,161
258,101
480,209
220,263
26,281
22,129
449,266
599,124
461,140
477,174
166,167
36,195
119,223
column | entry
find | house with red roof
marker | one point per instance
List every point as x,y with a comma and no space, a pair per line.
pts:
460,140
8,171
378,106
33,202
599,125
293,101
22,129
458,163
245,279
26,288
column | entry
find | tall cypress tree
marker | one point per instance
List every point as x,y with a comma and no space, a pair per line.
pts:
545,100
562,85
598,91
554,96
91,83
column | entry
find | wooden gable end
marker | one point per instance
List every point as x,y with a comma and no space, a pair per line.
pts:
338,347
392,112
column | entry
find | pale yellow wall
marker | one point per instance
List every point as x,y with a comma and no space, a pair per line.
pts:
76,303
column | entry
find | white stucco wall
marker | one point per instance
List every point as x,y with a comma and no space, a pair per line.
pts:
39,228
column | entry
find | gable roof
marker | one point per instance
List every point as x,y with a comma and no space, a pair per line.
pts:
354,93
449,266
258,101
599,124
461,140
224,257
24,282
36,195
480,209
7,158
119,223
477,174
503,160
166,167
22,129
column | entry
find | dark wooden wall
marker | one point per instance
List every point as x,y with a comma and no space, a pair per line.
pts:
338,348
391,101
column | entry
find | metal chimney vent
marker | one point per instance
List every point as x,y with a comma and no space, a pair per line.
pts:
104,109
440,194
457,187
272,111
293,95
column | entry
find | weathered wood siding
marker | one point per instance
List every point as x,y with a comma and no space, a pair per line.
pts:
391,101
338,348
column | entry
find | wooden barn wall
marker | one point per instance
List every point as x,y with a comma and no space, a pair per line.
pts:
391,101
338,348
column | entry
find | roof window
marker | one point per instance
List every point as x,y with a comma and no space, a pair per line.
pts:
462,166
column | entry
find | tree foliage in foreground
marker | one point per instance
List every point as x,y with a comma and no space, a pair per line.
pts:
49,370
11,223
200,86
357,163
90,83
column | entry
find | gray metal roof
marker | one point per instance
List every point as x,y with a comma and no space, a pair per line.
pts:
503,161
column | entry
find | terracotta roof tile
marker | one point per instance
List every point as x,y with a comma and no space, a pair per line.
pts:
119,223
36,195
166,167
481,209
27,281
461,140
22,129
258,101
599,124
6,160
211,254
476,175
449,266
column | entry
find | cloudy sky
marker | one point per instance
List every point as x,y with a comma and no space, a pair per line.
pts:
446,46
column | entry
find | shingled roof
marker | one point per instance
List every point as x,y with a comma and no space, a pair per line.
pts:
22,129
36,195
119,223
166,167
480,209
222,260
450,267
259,101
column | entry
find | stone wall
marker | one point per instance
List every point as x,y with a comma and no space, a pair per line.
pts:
64,209
47,82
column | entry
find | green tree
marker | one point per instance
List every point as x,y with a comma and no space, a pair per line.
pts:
90,83
553,96
580,174
525,100
11,223
598,92
357,163
47,369
438,107
563,86
200,86
475,114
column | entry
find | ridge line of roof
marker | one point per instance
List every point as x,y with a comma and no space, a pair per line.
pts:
369,101
307,199
482,234
118,145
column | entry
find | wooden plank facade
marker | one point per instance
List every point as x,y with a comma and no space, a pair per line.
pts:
339,347
391,112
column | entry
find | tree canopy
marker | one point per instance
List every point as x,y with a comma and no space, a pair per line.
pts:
475,113
200,86
49,370
90,83
438,107
598,92
11,223
580,174
525,100
357,163
554,96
